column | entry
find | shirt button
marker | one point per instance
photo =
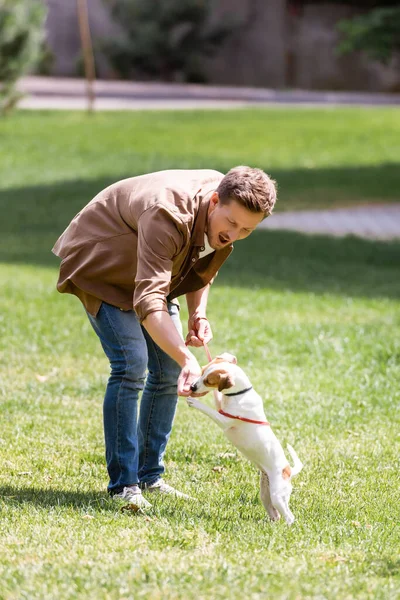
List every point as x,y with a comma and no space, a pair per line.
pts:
202,248
182,278
193,260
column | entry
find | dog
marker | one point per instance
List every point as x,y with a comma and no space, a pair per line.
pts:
239,412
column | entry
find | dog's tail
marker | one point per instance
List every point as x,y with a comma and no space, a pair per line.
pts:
297,464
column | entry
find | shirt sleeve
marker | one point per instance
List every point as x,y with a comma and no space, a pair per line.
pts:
161,236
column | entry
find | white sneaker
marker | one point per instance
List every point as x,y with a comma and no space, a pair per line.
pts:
132,496
161,487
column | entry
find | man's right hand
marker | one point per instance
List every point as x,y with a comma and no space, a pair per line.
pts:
161,328
191,371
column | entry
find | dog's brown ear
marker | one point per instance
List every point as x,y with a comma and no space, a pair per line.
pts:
220,379
225,382
212,379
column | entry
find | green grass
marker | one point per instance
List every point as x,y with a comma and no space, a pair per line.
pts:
314,321
319,156
53,163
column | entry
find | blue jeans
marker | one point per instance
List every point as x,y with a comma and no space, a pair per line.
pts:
136,440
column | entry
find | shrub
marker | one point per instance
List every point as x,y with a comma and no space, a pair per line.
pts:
21,38
167,39
377,33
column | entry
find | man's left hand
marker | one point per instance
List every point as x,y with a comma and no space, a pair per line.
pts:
199,331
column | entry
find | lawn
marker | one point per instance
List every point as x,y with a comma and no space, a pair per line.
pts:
314,321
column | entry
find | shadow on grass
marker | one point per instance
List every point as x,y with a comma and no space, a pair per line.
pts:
387,568
336,186
319,264
34,217
166,506
48,497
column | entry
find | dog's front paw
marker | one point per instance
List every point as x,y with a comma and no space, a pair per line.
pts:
191,401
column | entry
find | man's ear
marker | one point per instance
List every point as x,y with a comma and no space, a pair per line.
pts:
225,382
213,202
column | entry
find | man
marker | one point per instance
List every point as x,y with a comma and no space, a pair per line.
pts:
136,247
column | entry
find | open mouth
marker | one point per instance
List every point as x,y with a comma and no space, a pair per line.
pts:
222,239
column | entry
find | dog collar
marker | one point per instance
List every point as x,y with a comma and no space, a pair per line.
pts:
221,412
238,393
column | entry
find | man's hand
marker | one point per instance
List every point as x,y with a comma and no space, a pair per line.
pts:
191,371
199,331
160,327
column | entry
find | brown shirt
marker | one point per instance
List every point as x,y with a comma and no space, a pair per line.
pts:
137,243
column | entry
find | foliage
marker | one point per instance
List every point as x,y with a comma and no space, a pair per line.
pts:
167,39
21,38
45,64
377,33
364,4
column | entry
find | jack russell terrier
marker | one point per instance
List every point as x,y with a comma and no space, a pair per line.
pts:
240,414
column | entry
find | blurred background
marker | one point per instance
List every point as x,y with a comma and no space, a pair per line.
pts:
274,43
332,45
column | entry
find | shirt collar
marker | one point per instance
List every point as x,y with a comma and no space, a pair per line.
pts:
200,222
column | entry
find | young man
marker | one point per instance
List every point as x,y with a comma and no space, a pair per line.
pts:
127,256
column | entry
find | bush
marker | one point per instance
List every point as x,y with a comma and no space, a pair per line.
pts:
377,33
21,38
166,39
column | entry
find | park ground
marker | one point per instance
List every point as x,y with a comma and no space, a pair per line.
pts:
314,321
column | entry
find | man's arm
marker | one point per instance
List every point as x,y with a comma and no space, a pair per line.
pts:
162,330
160,238
199,330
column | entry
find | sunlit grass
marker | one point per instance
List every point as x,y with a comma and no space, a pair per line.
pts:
315,322
320,157
327,366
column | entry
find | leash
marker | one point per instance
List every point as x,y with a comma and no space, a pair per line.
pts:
208,353
209,358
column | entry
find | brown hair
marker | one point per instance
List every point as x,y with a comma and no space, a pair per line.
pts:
252,188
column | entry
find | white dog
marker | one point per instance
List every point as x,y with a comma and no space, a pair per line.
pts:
240,414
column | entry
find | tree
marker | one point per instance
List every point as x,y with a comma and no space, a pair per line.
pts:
21,39
87,51
376,32
167,39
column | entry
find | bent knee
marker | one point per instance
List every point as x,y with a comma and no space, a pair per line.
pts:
165,379
131,367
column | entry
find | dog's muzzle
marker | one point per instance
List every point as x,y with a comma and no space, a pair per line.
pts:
193,387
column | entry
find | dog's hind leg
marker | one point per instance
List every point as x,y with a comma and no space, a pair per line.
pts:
265,496
223,422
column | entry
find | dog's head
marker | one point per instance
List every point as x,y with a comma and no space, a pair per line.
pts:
281,487
217,374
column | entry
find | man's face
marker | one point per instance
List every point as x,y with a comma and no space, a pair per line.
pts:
229,222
